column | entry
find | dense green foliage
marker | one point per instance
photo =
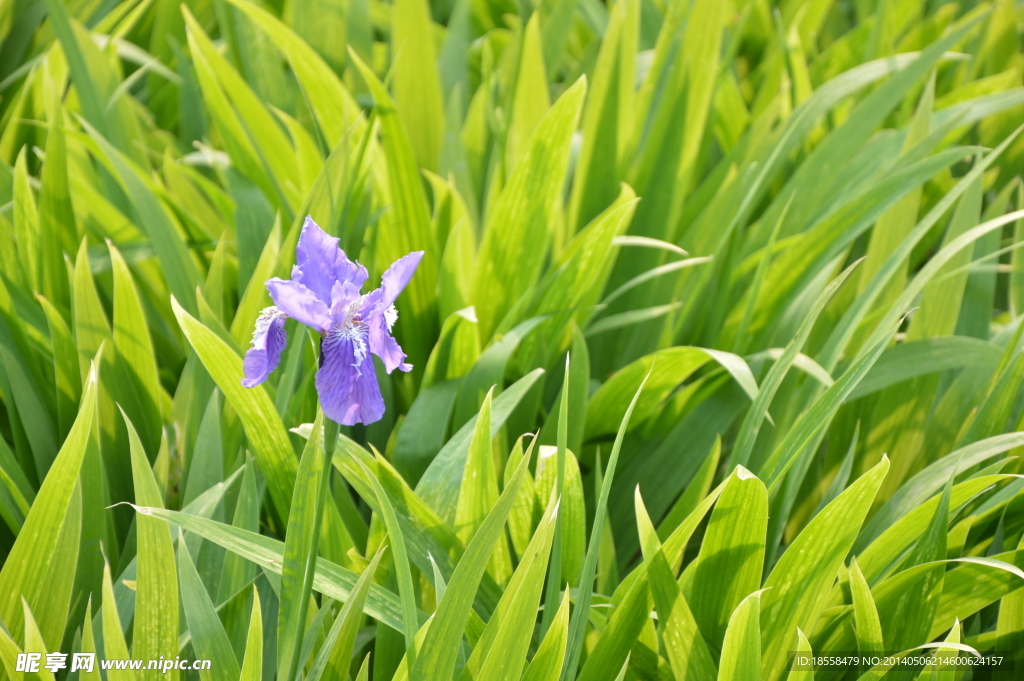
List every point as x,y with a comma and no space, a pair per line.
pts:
717,338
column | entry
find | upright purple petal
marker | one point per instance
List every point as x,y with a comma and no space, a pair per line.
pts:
343,295
300,303
346,381
398,275
268,341
319,262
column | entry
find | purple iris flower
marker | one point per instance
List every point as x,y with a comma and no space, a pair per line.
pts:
324,293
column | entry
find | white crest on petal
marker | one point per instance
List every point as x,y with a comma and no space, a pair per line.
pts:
266,318
390,316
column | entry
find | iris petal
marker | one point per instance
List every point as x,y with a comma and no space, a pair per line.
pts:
342,296
268,341
319,262
299,302
346,381
381,342
379,311
398,275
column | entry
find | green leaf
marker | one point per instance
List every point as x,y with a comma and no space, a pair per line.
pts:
819,414
24,386
207,465
324,25
909,619
681,85
556,484
430,540
58,229
929,481
521,220
91,102
16,503
25,568
881,555
634,600
771,383
51,606
237,573
572,509
578,623
134,347
685,645
436,658
479,492
155,628
911,359
337,648
546,664
803,672
694,493
607,118
800,584
252,664
177,266
410,618
114,646
574,288
856,312
1010,624
423,432
455,280
415,80
608,403
89,643
489,370
456,350
500,653
270,158
942,299
530,99
26,225
255,296
741,649
893,227
869,628
65,366
731,559
479,489
301,546
34,640
263,427
323,89
441,481
329,579
209,640
521,519
992,578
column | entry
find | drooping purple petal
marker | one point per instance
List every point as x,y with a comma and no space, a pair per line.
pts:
379,313
268,341
319,262
397,276
379,322
299,302
346,381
